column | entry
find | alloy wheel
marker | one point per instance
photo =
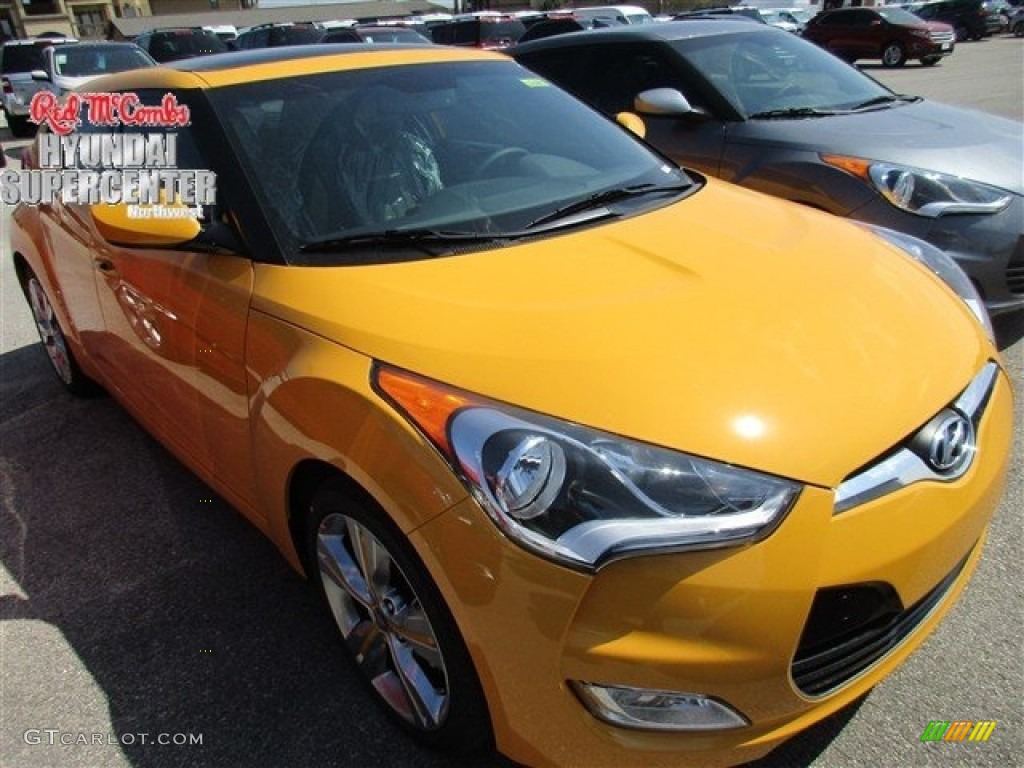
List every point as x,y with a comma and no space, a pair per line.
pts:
893,55
383,622
49,331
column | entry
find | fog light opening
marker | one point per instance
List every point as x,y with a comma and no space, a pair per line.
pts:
657,710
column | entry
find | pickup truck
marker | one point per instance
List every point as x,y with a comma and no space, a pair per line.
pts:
18,59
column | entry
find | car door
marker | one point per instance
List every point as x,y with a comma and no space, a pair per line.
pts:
609,77
175,322
871,32
68,236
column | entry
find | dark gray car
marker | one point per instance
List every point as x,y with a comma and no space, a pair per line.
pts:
763,108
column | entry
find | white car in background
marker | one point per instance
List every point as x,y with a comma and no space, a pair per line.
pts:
67,67
778,18
19,60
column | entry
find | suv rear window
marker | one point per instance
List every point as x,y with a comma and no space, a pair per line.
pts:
184,43
22,58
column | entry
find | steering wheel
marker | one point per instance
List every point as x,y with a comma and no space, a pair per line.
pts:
499,156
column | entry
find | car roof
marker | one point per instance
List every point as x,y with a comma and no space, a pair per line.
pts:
664,33
41,41
106,44
224,69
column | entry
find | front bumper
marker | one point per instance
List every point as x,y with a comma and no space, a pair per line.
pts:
726,624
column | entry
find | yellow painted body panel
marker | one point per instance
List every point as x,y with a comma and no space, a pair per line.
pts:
723,623
674,328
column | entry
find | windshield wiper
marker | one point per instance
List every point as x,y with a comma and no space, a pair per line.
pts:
601,199
791,112
396,237
883,100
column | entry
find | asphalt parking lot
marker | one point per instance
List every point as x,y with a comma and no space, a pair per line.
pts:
137,608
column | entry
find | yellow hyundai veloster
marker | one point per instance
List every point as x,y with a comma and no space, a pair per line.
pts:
593,459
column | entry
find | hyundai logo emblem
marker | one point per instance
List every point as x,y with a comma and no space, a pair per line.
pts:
951,445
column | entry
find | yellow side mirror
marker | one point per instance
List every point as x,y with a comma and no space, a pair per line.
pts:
152,226
632,123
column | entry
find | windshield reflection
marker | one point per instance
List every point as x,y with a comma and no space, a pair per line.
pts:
461,147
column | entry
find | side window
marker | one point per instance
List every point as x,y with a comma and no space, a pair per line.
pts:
609,78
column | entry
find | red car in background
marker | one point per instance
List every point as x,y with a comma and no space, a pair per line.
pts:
890,34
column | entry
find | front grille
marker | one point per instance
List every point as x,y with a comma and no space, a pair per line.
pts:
1015,272
852,627
942,37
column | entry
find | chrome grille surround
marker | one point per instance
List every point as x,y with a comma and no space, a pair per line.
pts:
906,466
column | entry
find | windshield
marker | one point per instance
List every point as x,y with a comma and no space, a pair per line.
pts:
81,60
763,72
900,16
501,31
342,155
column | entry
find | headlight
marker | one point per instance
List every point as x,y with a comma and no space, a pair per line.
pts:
943,266
580,496
922,192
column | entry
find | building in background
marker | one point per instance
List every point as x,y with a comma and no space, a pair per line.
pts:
73,18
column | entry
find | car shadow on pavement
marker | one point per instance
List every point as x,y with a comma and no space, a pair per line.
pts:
184,616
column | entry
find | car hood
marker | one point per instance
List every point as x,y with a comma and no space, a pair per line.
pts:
924,134
68,83
730,325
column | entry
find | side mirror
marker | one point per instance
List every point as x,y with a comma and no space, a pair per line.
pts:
39,76
632,123
141,226
664,101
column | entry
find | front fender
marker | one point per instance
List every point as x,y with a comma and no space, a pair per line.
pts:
796,175
312,399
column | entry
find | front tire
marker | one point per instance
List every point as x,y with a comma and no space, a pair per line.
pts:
893,55
394,623
62,360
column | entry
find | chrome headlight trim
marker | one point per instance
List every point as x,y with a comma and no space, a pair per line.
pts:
932,194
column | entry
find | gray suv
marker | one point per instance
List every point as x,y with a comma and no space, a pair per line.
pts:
18,59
